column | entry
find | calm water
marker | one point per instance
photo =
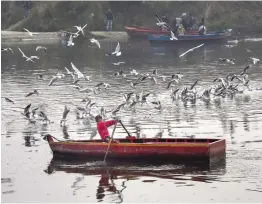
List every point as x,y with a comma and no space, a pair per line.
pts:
29,174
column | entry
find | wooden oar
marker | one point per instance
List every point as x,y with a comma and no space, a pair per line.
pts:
124,128
110,142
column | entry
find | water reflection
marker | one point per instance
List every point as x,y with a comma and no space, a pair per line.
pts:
29,136
116,172
8,184
65,132
246,122
107,186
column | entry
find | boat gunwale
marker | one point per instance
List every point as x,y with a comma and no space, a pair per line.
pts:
162,142
134,144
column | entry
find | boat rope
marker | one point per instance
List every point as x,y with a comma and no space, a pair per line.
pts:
45,137
56,139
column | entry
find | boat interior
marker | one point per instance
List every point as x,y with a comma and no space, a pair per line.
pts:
156,140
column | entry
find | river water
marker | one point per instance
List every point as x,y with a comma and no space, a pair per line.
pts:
29,174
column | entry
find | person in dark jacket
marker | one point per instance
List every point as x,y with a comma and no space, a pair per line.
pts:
192,21
174,26
202,27
27,6
109,20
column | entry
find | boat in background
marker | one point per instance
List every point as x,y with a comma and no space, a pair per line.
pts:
208,37
144,31
144,149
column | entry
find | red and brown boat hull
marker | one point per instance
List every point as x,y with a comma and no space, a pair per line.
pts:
167,149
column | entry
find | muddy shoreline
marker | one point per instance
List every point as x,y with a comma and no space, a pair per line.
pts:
14,36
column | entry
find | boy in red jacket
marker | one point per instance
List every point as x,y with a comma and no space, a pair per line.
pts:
102,127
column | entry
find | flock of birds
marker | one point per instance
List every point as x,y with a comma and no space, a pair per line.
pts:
222,87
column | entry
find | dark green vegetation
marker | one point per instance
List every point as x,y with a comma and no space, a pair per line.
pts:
54,16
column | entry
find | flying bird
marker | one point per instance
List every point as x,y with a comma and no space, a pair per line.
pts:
118,63
77,72
70,42
44,116
255,60
245,70
30,33
160,22
172,81
117,50
26,109
118,108
173,37
41,48
9,100
54,78
33,92
7,49
80,29
93,40
190,50
28,58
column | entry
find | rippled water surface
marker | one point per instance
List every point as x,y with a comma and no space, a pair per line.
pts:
29,174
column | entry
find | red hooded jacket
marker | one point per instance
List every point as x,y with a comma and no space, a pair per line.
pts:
102,128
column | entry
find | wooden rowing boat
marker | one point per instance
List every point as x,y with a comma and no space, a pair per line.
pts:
146,149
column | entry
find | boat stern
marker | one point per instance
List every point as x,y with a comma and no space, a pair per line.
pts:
217,149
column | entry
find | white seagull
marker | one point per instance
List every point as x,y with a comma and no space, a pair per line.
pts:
41,48
93,40
80,29
255,60
77,72
173,37
133,72
117,50
70,41
190,50
31,33
160,22
7,49
118,63
68,72
28,58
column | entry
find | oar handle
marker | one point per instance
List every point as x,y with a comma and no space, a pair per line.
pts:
124,128
110,142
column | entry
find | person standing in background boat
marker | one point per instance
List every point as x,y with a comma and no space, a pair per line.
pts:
192,22
102,127
109,20
202,27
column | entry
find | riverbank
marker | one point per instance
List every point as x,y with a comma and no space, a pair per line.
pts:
15,36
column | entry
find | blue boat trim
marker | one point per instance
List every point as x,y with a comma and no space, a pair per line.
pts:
208,36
